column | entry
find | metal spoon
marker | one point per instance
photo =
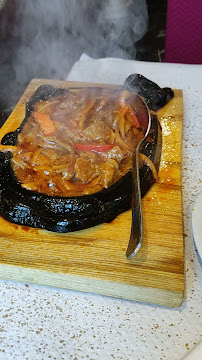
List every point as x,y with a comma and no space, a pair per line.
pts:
136,236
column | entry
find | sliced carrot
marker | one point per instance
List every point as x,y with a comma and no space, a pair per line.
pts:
46,124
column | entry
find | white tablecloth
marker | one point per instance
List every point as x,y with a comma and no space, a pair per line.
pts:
46,323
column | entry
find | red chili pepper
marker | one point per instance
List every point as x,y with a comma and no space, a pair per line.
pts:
96,148
134,117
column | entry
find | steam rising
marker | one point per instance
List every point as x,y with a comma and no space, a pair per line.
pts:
49,36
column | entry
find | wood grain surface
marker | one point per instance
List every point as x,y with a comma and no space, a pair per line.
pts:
94,260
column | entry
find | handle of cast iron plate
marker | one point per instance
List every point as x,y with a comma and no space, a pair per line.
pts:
136,236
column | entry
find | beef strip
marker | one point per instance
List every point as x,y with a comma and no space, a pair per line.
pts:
85,171
98,131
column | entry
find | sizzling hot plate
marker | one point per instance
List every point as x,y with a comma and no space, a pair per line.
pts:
65,214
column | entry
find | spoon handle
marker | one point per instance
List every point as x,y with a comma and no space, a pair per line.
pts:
135,241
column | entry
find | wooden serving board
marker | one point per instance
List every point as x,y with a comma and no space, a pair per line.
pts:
94,260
